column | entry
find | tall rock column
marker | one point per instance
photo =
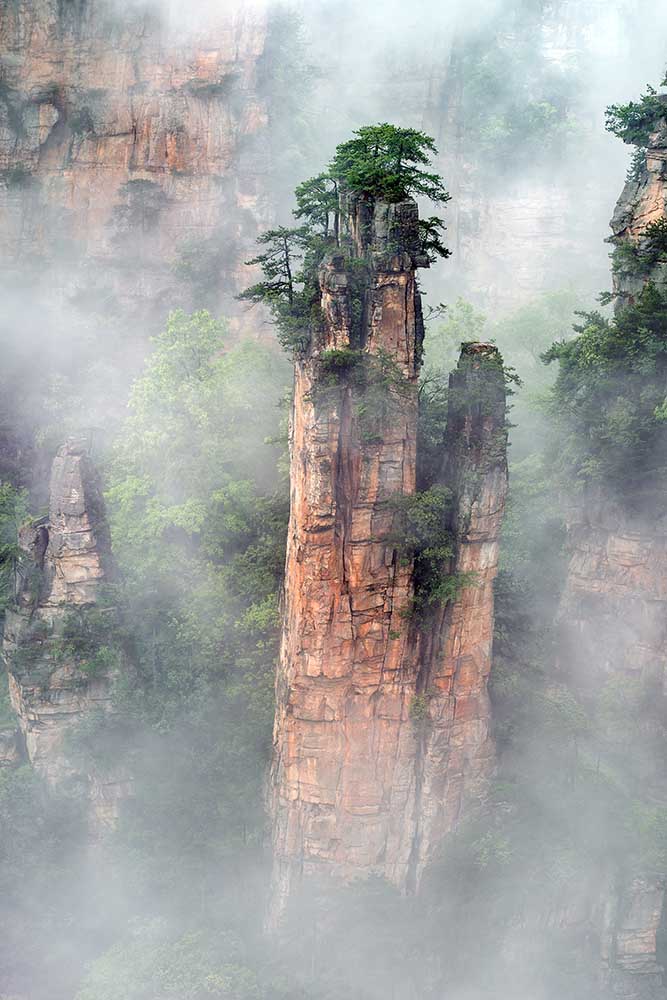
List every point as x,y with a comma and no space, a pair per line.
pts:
453,651
613,612
381,730
61,644
614,607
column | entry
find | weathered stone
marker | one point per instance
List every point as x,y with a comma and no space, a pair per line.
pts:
67,562
358,786
613,618
10,748
642,202
97,96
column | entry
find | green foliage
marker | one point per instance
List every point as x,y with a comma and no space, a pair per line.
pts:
433,397
607,397
13,512
379,387
419,708
198,514
386,162
461,323
317,201
380,392
510,105
214,90
431,231
422,536
156,962
634,122
289,288
638,258
141,208
420,525
338,362
382,161
91,639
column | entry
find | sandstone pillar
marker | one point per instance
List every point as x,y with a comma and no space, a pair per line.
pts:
381,731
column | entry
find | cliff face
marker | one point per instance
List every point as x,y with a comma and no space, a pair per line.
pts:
643,201
614,606
121,139
381,733
613,616
61,644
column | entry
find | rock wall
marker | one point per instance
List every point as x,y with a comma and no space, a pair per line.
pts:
135,174
613,619
61,642
643,201
614,605
123,142
381,733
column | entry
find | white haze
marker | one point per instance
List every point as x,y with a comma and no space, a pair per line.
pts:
384,60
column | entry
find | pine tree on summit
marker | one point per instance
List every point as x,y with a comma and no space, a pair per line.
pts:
381,162
385,162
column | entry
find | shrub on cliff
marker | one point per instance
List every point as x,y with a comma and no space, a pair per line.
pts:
634,124
609,397
13,511
638,259
289,282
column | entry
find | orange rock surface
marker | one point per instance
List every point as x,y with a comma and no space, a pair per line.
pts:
359,784
93,98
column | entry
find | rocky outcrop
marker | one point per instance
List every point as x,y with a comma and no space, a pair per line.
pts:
613,613
61,641
381,735
635,923
643,201
614,604
10,748
614,609
127,147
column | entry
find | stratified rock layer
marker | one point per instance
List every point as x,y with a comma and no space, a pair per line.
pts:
123,141
381,732
642,202
56,679
613,613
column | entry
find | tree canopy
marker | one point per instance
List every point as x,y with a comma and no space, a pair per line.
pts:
634,122
381,162
609,397
387,162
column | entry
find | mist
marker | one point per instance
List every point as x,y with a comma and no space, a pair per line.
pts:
145,145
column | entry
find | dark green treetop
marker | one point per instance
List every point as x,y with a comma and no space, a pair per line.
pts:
280,263
317,201
387,162
634,123
381,162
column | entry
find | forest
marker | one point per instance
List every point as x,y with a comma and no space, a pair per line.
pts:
333,500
